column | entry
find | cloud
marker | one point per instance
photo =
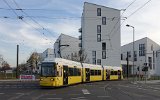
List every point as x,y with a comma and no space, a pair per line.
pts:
146,22
14,31
69,27
24,35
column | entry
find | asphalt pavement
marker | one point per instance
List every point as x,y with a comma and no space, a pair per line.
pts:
104,90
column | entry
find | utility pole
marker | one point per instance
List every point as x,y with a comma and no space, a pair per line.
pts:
146,66
133,46
127,64
17,61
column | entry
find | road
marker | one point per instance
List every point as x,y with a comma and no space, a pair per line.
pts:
105,90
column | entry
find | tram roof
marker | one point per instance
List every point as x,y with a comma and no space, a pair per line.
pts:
92,66
113,67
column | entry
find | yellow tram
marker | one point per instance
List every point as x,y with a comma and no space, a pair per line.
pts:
61,72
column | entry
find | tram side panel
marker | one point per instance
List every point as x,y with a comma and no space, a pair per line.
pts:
96,75
114,75
74,75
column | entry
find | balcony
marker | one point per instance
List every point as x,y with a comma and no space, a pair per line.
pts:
80,44
80,37
80,30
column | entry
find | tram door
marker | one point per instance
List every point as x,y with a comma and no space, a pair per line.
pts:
65,75
107,74
87,74
119,74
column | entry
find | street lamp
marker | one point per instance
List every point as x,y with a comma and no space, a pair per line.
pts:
133,47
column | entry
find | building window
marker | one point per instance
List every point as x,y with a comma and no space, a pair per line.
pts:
157,53
98,11
135,55
46,55
94,54
93,61
103,54
141,49
121,56
98,61
103,20
94,57
98,28
98,37
103,46
150,62
129,53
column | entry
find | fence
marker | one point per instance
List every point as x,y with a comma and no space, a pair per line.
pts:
154,78
7,75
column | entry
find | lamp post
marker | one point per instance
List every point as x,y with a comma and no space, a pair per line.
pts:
133,47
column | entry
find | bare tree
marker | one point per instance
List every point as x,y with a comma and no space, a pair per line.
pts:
83,56
1,60
33,61
80,56
22,67
5,66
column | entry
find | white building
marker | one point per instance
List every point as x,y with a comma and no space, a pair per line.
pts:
158,63
145,52
100,34
48,53
66,46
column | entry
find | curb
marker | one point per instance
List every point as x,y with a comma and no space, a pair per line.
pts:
18,80
146,82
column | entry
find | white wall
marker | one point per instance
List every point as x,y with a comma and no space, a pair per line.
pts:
141,59
48,53
66,50
90,20
158,63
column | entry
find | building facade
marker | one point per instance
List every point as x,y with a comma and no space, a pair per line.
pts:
48,53
145,55
100,34
158,63
66,47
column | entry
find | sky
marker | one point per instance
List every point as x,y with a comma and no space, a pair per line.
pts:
44,20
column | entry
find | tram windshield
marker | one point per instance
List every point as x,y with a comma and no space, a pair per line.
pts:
48,69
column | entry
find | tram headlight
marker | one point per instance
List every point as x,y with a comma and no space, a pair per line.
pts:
41,79
52,79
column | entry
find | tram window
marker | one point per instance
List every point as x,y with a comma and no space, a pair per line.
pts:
96,72
115,73
79,72
112,72
119,72
48,69
70,71
99,72
75,72
92,72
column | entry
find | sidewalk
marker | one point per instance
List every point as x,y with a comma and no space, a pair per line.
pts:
147,82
